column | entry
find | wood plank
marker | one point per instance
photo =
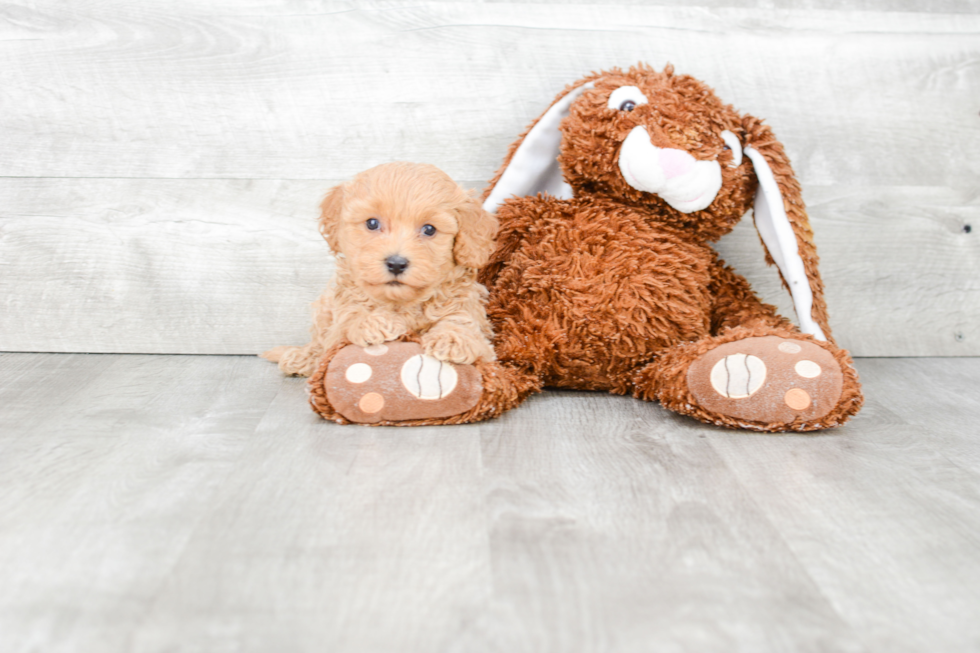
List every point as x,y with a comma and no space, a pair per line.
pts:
230,266
276,90
332,538
30,385
159,266
943,399
878,505
611,519
933,6
99,494
195,503
901,266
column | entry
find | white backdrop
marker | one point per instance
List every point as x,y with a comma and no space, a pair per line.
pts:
161,162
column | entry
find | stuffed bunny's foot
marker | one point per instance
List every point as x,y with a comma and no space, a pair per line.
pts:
767,380
752,378
393,382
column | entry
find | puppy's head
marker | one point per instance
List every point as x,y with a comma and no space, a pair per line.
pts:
404,228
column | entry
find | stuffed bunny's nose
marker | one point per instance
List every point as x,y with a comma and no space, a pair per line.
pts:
675,162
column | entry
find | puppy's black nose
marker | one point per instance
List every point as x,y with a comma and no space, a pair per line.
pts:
396,264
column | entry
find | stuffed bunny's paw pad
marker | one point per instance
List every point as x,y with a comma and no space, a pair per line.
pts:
396,381
769,380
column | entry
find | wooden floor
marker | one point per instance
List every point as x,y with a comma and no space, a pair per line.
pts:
194,503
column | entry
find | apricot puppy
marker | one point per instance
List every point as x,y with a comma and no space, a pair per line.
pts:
409,242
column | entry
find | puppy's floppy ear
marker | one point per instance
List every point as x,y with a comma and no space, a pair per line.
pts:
330,211
784,228
477,230
531,165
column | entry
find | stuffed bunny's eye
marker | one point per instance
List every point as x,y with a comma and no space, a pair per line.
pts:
626,98
373,224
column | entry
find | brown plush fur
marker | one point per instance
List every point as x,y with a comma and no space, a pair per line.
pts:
616,290
437,297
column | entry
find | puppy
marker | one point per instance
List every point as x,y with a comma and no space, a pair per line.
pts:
409,242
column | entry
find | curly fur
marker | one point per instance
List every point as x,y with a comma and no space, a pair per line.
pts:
616,290
437,297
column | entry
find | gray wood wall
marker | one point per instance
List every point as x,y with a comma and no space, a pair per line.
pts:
161,162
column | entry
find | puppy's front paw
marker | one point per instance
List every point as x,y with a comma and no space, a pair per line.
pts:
462,348
376,329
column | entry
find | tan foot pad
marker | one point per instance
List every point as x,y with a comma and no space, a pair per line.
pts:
396,381
768,379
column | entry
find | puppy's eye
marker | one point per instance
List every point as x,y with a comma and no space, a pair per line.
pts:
373,224
428,230
627,105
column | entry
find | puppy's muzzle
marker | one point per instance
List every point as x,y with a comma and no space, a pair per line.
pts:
396,264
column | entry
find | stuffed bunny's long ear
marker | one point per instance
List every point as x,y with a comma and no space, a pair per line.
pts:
534,166
788,239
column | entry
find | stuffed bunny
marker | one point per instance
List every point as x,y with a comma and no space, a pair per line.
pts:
603,277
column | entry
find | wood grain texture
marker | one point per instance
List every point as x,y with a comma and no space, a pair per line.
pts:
101,491
284,90
188,503
901,267
360,539
607,531
878,505
173,266
229,266
162,161
931,6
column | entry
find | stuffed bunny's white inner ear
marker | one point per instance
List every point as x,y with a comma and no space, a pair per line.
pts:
534,167
780,239
731,140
